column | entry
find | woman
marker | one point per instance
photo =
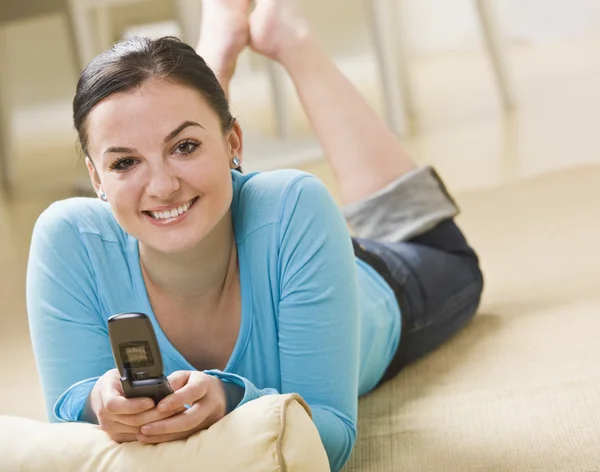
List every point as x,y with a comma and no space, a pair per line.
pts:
252,282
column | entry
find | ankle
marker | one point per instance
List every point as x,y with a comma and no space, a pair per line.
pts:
295,43
299,53
223,64
224,81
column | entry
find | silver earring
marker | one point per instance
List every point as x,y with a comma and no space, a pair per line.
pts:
236,161
103,197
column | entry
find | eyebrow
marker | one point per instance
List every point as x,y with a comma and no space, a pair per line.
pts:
168,138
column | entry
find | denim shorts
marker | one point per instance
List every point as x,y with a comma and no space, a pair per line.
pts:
408,234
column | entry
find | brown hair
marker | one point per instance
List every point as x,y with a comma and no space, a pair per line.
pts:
131,63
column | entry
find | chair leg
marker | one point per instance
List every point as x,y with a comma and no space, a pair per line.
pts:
5,130
283,118
5,180
104,27
494,49
72,40
189,16
84,31
385,25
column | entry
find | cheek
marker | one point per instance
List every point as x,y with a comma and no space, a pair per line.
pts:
123,196
126,184
216,187
207,177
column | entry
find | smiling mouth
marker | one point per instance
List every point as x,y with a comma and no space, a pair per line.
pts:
173,213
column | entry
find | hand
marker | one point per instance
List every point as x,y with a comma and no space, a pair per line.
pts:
276,26
205,395
118,416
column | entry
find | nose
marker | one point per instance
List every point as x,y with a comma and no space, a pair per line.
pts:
163,182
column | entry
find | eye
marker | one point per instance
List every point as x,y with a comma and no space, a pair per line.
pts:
123,164
187,147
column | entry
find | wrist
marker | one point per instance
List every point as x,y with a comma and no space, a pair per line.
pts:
89,411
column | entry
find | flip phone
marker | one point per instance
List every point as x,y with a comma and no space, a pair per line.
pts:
137,356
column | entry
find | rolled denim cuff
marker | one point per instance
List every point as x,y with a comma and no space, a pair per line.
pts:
409,206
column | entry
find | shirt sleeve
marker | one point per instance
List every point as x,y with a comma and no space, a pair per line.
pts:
318,316
70,339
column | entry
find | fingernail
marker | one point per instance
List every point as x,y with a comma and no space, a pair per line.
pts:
146,430
163,407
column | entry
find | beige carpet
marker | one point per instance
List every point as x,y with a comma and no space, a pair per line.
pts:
519,389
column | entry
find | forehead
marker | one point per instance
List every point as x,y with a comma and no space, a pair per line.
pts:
146,114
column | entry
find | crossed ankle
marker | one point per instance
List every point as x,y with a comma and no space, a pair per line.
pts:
295,42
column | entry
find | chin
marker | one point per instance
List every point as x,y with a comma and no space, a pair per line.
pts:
175,240
167,246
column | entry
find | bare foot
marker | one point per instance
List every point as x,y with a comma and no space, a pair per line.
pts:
275,26
224,33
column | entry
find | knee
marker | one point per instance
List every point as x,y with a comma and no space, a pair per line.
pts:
477,282
476,268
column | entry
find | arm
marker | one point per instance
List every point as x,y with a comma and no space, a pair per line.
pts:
70,339
318,316
319,320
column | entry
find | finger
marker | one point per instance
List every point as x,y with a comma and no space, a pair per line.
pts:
178,379
121,438
193,391
161,438
188,420
119,432
117,428
149,416
122,428
116,404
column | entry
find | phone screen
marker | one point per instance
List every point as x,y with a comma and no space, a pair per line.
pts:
136,354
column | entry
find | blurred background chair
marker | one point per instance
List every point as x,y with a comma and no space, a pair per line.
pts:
10,12
383,20
99,23
371,40
387,34
378,23
5,128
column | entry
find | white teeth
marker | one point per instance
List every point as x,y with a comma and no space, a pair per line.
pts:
162,215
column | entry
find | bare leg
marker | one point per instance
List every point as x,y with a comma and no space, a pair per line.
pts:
224,33
363,152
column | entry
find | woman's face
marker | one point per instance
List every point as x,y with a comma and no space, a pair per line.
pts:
161,158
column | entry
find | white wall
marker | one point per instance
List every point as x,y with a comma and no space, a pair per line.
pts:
441,25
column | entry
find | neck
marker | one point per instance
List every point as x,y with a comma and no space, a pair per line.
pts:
201,276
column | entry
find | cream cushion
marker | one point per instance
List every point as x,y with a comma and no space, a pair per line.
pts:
272,433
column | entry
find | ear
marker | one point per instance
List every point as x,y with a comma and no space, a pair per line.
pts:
236,143
94,177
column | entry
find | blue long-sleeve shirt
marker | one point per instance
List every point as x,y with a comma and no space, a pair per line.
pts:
315,320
